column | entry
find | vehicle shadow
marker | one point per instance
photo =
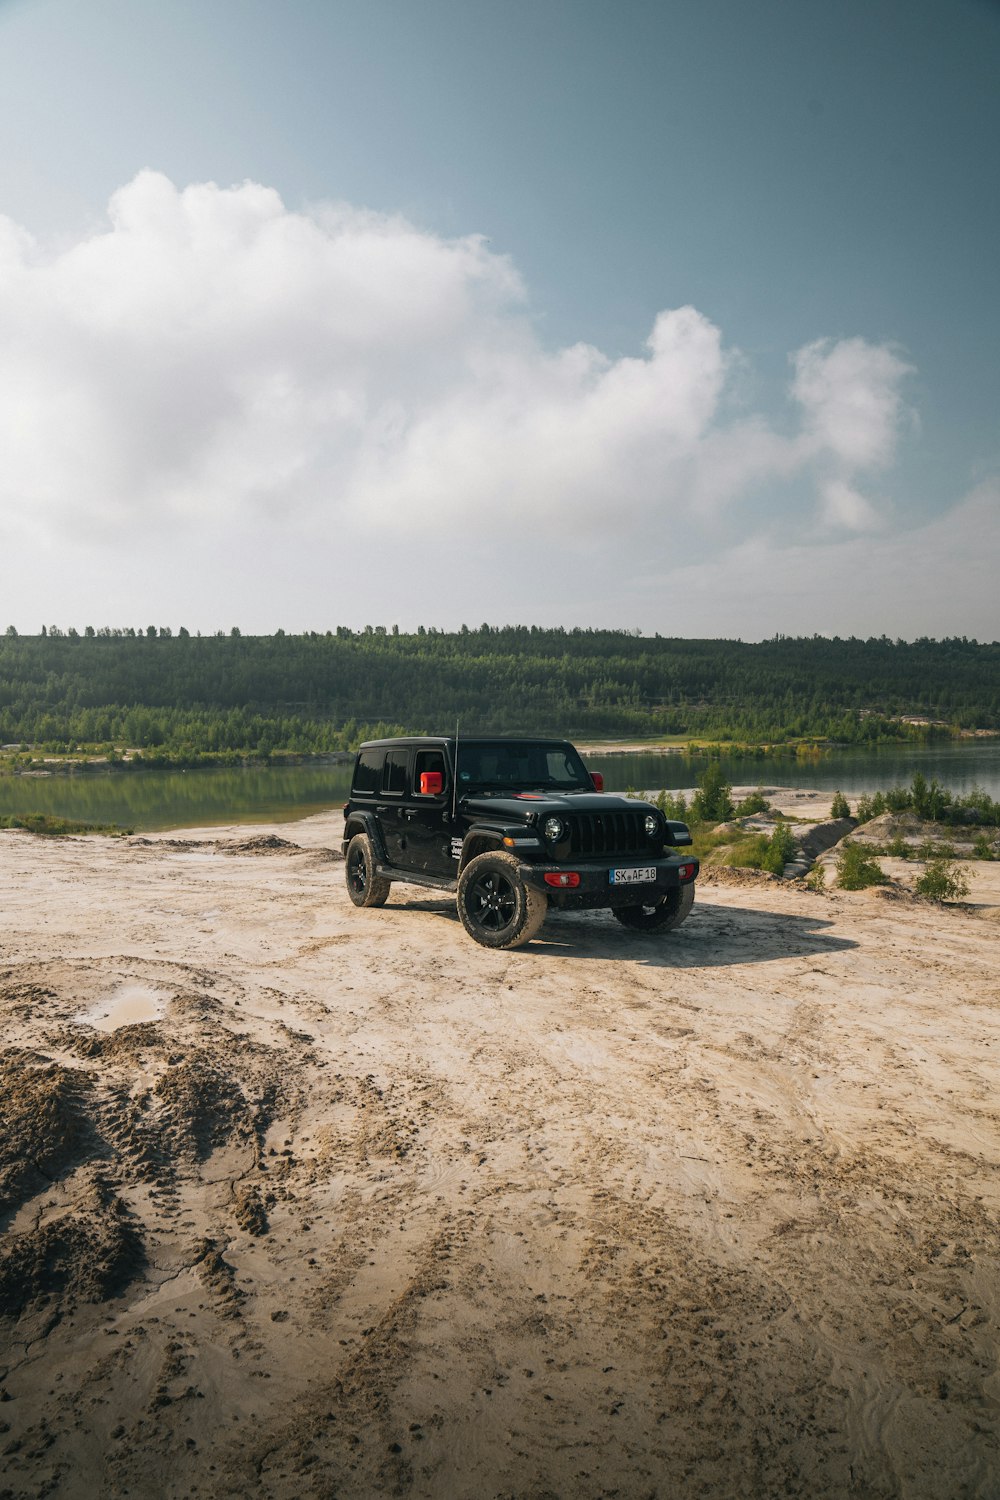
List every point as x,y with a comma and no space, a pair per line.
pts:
712,936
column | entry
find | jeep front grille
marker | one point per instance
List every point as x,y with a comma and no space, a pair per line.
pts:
607,833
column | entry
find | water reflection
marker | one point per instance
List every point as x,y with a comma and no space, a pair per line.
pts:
264,794
181,799
960,766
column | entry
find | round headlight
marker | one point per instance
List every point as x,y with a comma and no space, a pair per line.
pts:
554,830
652,825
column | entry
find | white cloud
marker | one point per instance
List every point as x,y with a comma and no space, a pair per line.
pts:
937,579
849,393
210,358
844,506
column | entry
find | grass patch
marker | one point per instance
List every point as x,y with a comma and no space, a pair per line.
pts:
51,827
752,851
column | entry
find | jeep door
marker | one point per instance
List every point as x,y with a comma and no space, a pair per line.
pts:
391,809
428,829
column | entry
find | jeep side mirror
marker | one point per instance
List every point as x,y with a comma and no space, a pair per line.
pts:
598,781
431,783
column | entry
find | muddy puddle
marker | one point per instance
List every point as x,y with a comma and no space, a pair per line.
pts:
128,1004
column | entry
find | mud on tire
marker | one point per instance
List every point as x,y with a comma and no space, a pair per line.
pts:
663,916
364,887
495,905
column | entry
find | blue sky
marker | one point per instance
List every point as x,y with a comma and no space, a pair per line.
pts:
673,316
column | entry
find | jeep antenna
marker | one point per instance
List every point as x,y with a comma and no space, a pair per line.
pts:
454,779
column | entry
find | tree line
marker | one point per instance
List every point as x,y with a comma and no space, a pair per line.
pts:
180,694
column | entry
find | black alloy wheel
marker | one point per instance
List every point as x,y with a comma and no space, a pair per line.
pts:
364,886
495,905
492,902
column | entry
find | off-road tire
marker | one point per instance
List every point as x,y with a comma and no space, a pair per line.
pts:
496,907
364,887
662,917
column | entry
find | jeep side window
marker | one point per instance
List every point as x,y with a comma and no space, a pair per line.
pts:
394,773
368,772
429,760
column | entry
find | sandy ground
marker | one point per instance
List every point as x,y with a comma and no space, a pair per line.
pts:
302,1201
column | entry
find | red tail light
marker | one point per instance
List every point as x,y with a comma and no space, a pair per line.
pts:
686,873
562,878
598,781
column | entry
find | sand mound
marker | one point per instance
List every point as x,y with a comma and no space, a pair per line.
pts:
88,1254
43,1123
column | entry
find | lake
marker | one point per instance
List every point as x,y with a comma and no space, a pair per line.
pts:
149,800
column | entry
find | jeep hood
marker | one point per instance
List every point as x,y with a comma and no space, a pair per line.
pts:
518,806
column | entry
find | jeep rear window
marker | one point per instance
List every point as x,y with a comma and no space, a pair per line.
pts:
394,774
368,772
429,760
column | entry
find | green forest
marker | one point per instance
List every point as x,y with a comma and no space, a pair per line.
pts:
185,698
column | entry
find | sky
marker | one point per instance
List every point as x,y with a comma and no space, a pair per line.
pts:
673,317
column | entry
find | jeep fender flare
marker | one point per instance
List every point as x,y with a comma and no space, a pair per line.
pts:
479,840
366,822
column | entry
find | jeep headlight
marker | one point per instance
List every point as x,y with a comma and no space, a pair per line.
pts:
652,825
554,830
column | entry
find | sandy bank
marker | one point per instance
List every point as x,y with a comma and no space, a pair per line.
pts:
306,1201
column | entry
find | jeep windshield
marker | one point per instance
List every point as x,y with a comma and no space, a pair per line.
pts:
505,765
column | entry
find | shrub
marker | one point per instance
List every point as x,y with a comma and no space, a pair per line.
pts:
871,807
713,801
755,803
816,879
857,868
780,849
898,847
929,801
982,848
840,807
942,881
931,850
672,805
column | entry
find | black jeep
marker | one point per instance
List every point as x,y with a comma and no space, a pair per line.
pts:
510,825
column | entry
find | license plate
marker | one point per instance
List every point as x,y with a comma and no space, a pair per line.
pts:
642,875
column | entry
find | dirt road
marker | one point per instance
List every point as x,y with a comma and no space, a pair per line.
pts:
302,1201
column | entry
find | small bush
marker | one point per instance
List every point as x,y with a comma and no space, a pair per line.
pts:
857,868
816,879
713,801
755,803
931,850
982,848
840,807
871,807
898,847
672,805
780,849
942,881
